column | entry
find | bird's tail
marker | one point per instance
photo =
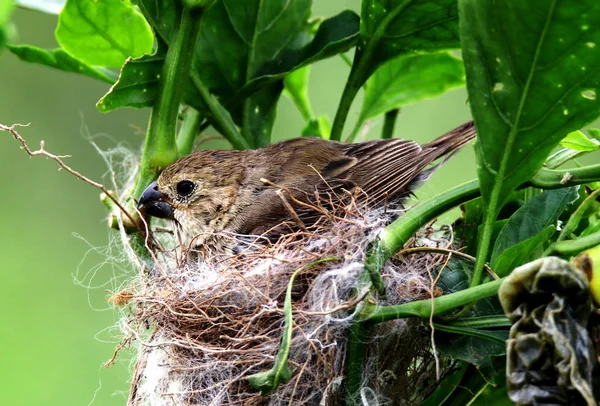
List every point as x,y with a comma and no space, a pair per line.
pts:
452,140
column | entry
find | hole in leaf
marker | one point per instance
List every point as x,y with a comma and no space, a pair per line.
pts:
566,112
589,94
590,44
498,86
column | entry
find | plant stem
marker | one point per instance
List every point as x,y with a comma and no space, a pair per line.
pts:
355,353
472,332
389,122
362,68
573,247
556,179
442,304
576,217
393,237
482,322
190,128
221,119
396,234
160,148
350,90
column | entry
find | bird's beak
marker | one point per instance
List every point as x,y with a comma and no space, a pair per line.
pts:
152,203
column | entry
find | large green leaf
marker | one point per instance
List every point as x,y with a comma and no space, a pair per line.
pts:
59,59
138,82
236,40
333,36
533,217
393,27
408,79
103,33
390,28
532,77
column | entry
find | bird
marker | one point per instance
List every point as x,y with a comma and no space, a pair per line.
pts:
211,193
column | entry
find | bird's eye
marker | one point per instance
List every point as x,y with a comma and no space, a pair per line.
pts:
185,187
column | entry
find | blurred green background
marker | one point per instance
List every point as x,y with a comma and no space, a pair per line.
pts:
55,334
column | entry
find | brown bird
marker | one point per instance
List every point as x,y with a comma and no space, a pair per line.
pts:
211,193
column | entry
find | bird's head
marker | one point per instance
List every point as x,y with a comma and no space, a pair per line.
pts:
194,192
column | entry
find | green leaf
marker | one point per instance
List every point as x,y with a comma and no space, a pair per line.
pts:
243,48
481,352
103,33
296,88
236,40
395,27
577,141
530,81
59,59
409,79
259,115
527,81
163,15
137,85
390,28
319,127
521,253
532,218
593,228
595,133
45,6
335,35
6,28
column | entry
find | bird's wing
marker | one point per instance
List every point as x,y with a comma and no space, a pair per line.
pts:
387,170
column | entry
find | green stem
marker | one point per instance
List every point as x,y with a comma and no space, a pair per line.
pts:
221,119
190,128
362,68
395,235
573,247
482,322
559,178
345,58
350,90
160,148
355,354
442,304
472,332
389,122
576,217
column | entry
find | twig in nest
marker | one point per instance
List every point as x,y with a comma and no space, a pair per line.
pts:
291,210
456,253
58,158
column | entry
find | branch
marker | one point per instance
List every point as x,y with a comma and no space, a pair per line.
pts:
62,165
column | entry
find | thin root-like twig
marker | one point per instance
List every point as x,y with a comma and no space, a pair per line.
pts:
59,160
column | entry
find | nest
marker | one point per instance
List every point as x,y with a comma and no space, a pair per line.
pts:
203,326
